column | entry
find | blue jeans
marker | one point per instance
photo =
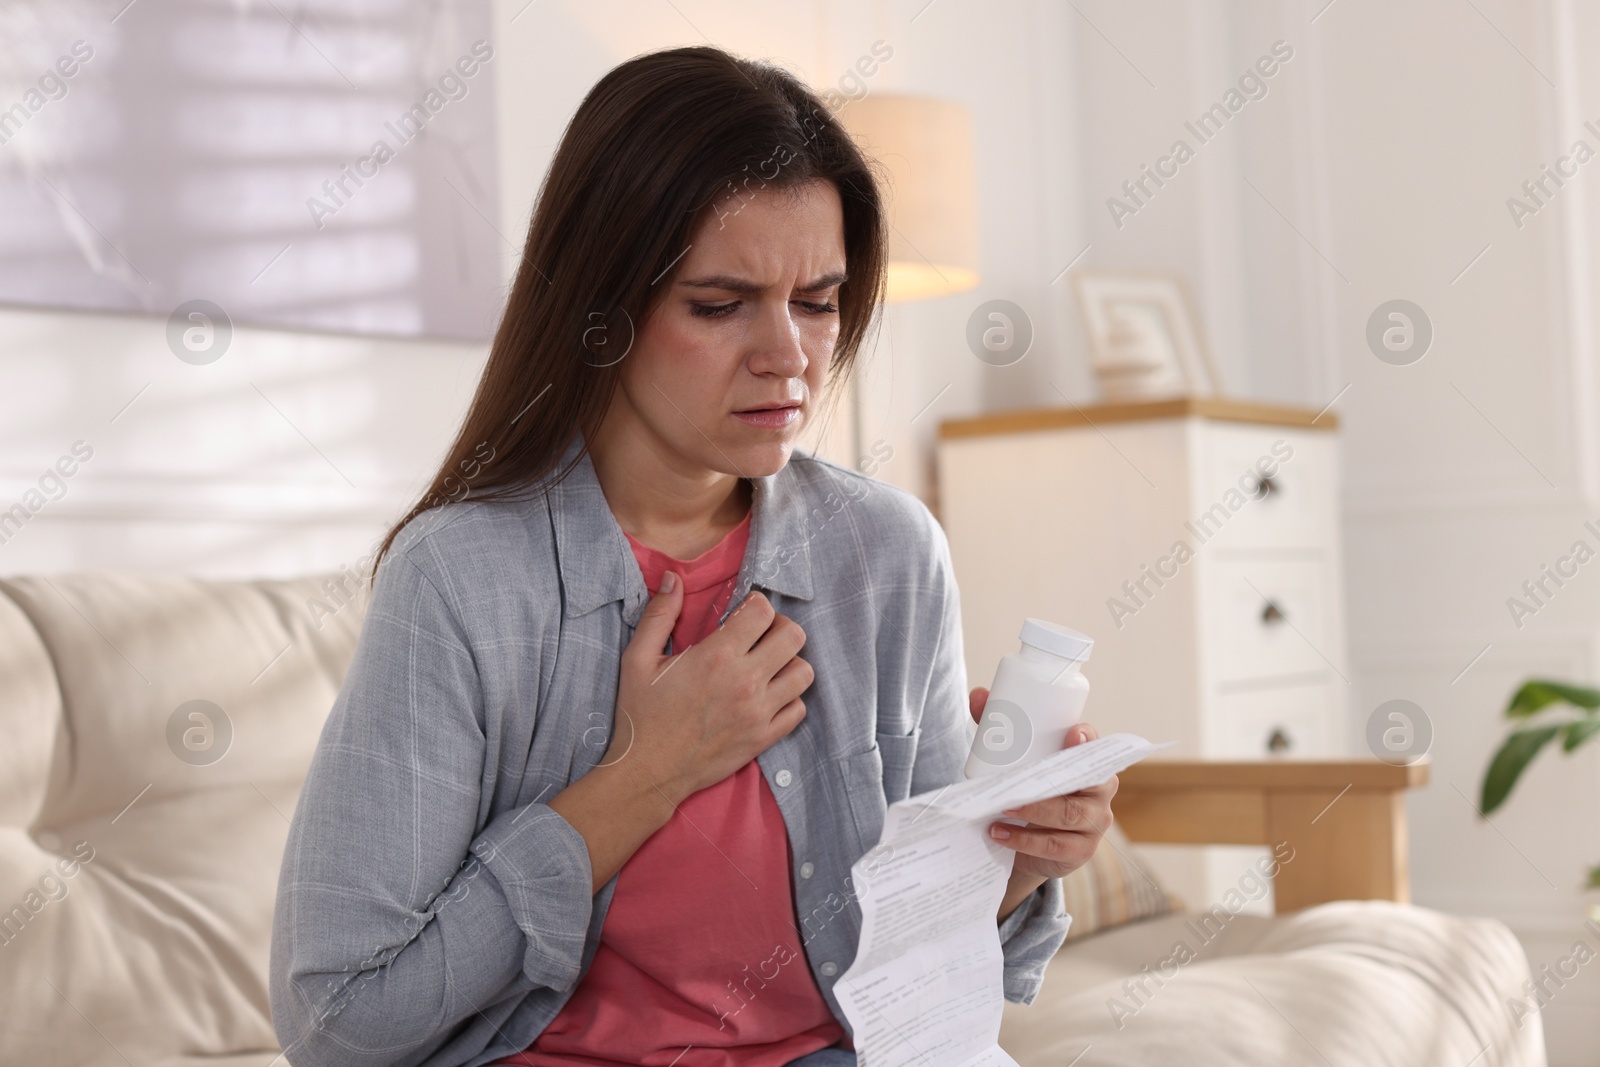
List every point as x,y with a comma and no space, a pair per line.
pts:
826,1057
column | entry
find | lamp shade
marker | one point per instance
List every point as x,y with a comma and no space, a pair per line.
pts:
926,146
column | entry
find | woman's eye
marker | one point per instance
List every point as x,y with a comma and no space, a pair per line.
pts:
717,311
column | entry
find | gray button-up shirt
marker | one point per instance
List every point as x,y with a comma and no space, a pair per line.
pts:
432,909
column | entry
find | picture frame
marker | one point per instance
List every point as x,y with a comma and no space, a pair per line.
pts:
1144,335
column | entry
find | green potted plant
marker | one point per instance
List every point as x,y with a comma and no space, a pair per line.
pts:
1544,710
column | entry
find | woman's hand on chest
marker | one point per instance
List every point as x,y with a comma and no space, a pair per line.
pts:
690,720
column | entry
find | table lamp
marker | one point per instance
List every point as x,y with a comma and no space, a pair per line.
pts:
925,145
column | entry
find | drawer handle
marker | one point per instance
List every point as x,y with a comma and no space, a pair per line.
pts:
1278,741
1271,613
1265,487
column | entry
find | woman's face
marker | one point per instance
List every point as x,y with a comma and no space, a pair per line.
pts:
726,371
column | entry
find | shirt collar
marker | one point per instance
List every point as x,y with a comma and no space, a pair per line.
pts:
597,563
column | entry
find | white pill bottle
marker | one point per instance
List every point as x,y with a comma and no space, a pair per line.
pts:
1037,696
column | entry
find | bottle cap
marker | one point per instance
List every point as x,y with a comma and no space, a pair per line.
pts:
1057,640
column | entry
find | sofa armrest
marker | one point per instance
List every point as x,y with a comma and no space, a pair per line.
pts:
1345,819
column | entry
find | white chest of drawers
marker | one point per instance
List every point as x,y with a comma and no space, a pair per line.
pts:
1196,540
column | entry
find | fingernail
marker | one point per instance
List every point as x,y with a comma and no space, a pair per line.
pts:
668,582
1009,811
1000,833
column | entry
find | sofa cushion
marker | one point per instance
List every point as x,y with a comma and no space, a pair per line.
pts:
156,944
1368,983
1113,888
32,716
1106,956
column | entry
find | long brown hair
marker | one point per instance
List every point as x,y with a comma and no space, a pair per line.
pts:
658,142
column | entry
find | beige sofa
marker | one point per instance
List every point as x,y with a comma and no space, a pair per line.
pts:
156,734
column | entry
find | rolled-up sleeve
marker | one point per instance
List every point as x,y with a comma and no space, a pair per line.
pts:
1035,930
395,919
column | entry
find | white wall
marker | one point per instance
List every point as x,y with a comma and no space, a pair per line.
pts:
1377,167
294,451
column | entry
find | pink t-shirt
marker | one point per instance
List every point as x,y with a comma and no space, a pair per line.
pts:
700,962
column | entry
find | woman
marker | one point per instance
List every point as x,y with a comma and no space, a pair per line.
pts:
581,800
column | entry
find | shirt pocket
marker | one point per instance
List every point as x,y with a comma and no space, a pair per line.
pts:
874,778
899,755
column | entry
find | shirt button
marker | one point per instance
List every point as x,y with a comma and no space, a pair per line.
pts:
830,968
805,869
784,777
